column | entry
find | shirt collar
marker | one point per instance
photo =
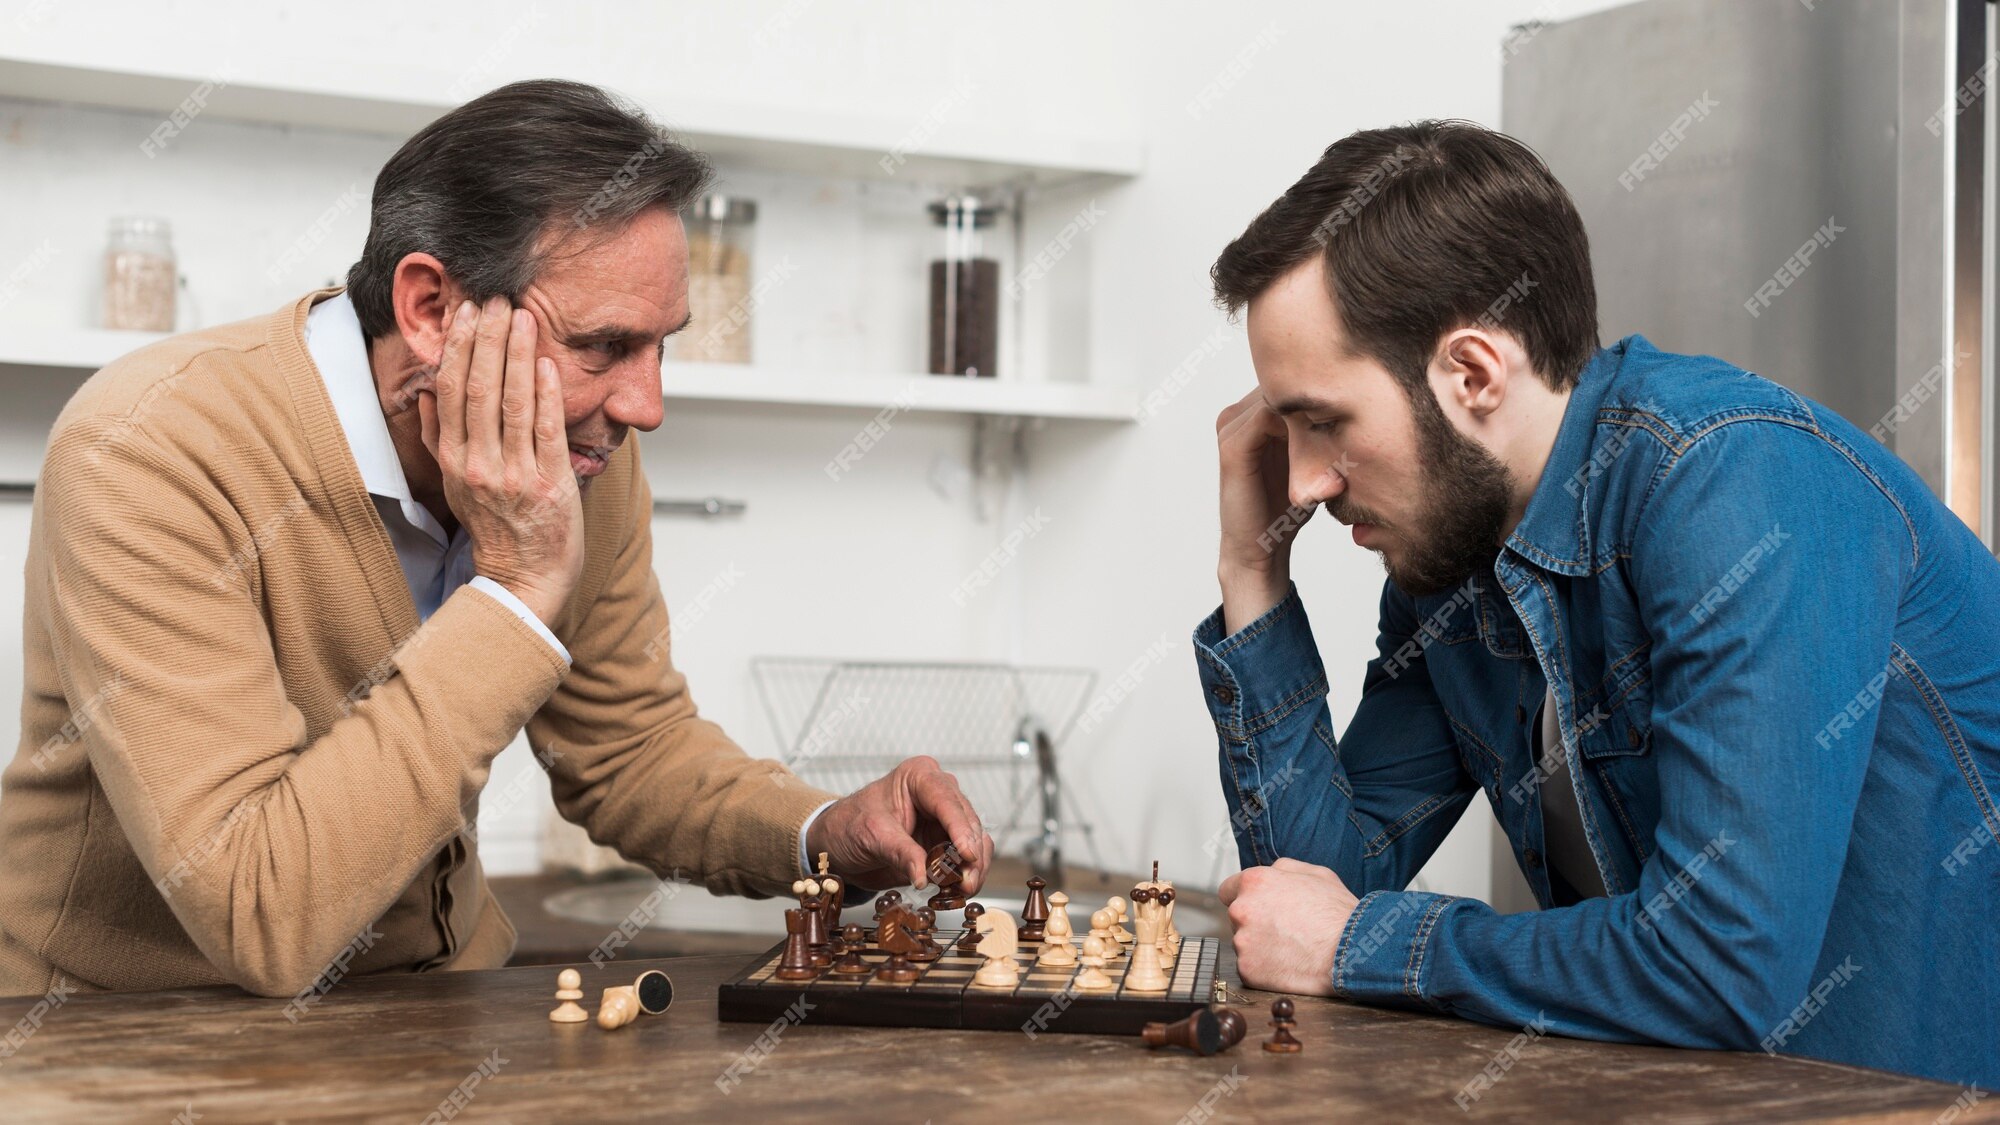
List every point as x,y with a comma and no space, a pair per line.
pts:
340,351
1553,532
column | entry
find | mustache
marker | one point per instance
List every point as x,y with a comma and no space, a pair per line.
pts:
1351,514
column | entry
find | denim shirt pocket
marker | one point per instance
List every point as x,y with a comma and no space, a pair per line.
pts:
1615,742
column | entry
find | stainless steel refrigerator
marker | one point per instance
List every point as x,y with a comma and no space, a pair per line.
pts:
1797,186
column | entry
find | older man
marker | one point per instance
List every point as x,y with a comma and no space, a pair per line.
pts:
294,582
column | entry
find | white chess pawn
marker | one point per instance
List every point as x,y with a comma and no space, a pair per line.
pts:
1057,948
1117,907
1100,927
1093,977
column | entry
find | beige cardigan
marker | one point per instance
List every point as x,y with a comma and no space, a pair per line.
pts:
242,760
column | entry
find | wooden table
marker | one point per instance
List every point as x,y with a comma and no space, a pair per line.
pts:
396,1048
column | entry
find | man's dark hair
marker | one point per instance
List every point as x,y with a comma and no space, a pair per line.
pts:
1426,228
496,186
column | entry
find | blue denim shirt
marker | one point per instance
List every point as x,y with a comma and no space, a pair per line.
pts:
1775,658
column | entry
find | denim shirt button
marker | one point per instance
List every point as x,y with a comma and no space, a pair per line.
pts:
1224,694
1532,857
1632,737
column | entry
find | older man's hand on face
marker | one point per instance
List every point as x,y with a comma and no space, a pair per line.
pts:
1289,918
879,835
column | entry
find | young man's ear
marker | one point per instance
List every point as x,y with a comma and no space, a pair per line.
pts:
1472,367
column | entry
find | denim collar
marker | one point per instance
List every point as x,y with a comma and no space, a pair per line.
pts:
1553,533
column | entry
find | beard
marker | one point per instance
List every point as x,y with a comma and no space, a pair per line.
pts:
1465,497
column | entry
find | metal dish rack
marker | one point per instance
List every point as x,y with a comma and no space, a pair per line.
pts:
997,727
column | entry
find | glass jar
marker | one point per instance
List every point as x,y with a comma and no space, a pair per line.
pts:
719,304
139,275
965,290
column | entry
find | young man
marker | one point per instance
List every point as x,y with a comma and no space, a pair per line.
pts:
1724,667
293,583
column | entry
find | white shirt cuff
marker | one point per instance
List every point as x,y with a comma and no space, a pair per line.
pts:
805,861
506,597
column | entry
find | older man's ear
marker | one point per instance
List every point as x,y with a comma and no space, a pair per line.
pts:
423,297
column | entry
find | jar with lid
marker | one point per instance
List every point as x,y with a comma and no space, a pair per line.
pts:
139,275
719,306
964,290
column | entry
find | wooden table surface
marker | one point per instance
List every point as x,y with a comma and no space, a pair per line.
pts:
396,1048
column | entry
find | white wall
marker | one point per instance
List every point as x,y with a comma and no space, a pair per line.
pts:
864,566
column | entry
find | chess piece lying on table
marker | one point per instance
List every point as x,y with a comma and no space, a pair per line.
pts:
1200,1032
618,1007
654,991
1234,1026
569,989
1281,1041
999,942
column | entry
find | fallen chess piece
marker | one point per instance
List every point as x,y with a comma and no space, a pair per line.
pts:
1234,1026
569,989
618,1007
1200,1032
654,991
1281,1041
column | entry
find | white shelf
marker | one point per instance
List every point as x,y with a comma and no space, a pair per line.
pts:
746,134
85,349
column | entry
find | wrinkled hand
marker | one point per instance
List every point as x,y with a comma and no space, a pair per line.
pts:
494,420
878,836
1289,918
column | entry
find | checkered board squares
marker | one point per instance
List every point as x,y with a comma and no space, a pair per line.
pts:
944,994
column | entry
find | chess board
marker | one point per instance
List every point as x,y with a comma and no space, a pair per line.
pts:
945,996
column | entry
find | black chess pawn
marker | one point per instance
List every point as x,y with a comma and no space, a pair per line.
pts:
850,963
927,950
1282,1041
1034,912
970,942
797,961
887,901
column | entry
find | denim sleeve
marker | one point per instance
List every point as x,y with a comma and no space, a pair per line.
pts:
1373,805
1762,717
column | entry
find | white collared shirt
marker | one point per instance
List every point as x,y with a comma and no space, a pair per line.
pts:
434,564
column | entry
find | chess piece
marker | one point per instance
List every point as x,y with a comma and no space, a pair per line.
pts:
817,938
970,942
887,901
1034,912
999,942
851,963
797,961
1093,978
836,897
927,950
1281,1041
1117,906
654,992
1163,905
569,989
1234,1026
1058,950
1100,927
893,933
1200,1032
1146,975
944,867
618,1007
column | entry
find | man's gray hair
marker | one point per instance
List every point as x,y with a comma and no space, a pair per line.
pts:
495,187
